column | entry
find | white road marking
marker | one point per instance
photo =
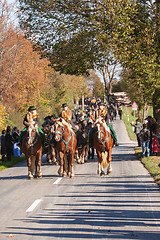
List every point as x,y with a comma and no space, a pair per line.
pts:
57,181
34,205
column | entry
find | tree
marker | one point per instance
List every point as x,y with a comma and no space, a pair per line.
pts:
130,29
96,85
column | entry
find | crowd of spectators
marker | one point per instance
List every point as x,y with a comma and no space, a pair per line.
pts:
147,136
9,140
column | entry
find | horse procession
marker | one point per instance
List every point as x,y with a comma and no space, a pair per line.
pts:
67,139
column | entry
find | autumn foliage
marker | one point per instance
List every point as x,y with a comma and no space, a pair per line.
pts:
27,79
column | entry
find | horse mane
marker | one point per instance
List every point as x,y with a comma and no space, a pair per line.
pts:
98,120
62,123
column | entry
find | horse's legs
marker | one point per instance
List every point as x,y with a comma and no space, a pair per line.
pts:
86,152
99,164
109,159
53,154
60,171
102,171
49,157
30,175
65,165
38,165
69,164
72,164
78,156
83,154
57,157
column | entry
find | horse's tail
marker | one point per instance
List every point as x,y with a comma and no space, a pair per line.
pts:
104,159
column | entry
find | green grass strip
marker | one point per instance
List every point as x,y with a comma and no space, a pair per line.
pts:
11,163
128,119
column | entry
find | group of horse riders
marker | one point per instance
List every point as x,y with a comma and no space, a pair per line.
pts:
31,119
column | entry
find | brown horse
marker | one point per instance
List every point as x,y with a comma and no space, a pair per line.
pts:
32,148
66,145
103,143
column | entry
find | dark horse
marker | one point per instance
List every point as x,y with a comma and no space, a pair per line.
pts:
82,151
103,143
32,148
66,145
51,153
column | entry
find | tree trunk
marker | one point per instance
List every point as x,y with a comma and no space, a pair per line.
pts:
145,110
82,102
105,81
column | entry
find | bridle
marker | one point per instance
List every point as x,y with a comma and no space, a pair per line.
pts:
61,133
100,138
31,141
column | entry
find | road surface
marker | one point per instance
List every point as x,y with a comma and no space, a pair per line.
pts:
123,205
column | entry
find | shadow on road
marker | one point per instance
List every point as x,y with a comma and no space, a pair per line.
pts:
110,210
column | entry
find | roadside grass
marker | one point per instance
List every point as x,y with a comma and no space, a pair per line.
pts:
14,161
128,118
152,163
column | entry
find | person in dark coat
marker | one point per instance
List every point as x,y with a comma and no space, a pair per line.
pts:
15,134
3,147
145,139
120,112
9,141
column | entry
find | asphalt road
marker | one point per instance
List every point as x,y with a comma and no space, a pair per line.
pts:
123,205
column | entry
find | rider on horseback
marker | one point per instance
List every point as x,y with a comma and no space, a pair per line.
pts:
32,116
103,113
70,118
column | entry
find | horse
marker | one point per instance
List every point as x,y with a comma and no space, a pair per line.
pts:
66,143
32,148
51,154
103,143
82,151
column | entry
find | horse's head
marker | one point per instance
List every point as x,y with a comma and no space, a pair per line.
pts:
58,129
99,129
46,129
32,134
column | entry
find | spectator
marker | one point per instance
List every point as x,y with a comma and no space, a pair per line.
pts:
15,134
9,141
120,112
149,119
145,139
3,147
137,128
115,113
155,144
16,149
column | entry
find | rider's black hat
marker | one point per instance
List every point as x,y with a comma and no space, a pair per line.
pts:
31,108
64,105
